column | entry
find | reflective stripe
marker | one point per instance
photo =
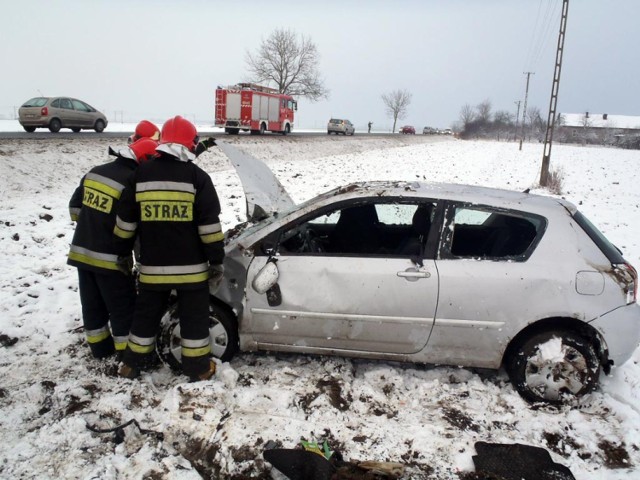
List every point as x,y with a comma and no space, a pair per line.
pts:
212,228
74,212
120,342
165,195
124,229
104,185
129,226
97,335
96,259
187,343
109,182
171,186
165,279
173,269
214,237
141,344
196,352
142,340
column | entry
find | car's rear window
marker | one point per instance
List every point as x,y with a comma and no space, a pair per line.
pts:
336,121
35,102
609,249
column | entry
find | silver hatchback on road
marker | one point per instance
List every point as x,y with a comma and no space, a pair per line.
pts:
338,125
424,272
55,113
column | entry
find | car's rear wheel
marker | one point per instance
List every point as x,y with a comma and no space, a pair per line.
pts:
223,334
99,126
75,129
29,129
554,367
55,125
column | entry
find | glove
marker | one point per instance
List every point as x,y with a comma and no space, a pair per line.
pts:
209,142
125,264
216,274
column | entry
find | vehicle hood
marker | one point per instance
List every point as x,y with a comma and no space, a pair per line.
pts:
264,194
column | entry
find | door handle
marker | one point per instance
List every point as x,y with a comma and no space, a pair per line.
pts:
413,274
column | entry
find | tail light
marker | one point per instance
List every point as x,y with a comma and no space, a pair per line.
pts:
44,111
628,279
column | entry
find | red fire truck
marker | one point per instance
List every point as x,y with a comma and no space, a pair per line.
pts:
247,106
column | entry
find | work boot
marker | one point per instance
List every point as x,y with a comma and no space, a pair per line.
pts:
207,374
128,372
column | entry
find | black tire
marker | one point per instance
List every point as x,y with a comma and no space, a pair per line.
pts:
233,131
287,129
263,128
572,369
99,126
223,331
55,125
29,129
76,129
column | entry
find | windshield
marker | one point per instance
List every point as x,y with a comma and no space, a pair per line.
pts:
35,102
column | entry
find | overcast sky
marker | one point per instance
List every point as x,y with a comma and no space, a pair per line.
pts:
158,58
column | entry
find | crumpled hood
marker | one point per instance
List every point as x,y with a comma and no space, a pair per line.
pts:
265,195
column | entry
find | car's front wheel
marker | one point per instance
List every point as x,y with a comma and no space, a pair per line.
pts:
554,367
223,334
99,126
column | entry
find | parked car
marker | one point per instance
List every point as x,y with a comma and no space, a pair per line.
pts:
55,113
424,272
408,129
429,131
338,125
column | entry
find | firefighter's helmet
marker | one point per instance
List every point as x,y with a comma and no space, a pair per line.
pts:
180,130
145,129
143,149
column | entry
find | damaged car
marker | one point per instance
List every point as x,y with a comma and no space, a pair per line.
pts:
427,273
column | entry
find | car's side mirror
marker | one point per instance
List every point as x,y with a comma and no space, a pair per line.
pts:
266,278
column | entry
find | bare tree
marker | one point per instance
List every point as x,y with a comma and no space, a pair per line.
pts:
467,115
397,104
484,112
291,62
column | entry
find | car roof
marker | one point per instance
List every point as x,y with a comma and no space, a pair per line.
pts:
471,194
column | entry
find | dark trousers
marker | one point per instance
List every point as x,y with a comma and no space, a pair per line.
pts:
151,305
107,299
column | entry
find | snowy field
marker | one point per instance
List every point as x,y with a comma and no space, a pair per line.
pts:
428,418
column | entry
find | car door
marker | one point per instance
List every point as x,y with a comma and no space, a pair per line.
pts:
83,114
362,294
485,271
66,113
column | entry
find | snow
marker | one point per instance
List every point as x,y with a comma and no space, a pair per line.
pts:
426,417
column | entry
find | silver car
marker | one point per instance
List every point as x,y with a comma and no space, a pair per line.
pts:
339,125
424,272
55,113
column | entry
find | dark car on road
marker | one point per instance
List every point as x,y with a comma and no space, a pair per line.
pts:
55,113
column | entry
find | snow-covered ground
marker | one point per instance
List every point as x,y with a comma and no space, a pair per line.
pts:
428,418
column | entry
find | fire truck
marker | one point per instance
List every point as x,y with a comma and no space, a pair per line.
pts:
251,107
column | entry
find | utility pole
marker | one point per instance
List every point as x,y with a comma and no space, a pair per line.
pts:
551,119
524,109
515,132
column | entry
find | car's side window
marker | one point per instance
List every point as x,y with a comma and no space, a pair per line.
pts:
65,103
56,103
477,232
79,106
397,229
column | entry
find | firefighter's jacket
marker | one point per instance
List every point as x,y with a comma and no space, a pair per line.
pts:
172,207
93,206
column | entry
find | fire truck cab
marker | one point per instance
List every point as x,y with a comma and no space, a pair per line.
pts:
251,107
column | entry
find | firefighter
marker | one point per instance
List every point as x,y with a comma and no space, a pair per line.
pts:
107,295
145,129
172,208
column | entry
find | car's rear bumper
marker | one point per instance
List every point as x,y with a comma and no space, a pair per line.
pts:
34,122
621,331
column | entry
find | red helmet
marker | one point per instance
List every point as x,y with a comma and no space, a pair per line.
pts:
145,129
143,149
180,130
